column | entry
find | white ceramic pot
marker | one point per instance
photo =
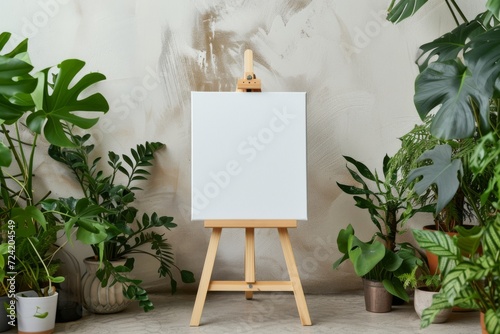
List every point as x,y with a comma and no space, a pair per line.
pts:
35,314
423,299
97,299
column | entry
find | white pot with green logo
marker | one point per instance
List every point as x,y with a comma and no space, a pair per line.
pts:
35,314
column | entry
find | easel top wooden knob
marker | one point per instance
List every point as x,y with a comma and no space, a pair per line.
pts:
249,82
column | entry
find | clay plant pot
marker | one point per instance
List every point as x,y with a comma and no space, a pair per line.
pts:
98,299
423,299
483,325
432,259
377,299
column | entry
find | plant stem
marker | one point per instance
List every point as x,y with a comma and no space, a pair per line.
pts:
43,264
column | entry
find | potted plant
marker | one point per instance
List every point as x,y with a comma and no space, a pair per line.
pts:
458,83
126,233
426,285
34,106
37,301
412,161
380,259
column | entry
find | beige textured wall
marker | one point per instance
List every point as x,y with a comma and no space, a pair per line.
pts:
356,68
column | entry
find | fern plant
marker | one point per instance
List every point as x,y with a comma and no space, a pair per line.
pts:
125,233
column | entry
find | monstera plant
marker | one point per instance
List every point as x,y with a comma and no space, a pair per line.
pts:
35,105
459,85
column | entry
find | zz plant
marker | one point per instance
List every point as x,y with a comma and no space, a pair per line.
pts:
125,231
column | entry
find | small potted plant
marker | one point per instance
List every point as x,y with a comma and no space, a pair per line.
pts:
380,259
37,300
425,285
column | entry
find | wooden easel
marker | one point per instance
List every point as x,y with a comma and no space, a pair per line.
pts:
250,84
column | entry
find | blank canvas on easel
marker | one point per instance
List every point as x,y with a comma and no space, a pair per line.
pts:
248,156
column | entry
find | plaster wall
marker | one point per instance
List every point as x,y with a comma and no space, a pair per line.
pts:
357,69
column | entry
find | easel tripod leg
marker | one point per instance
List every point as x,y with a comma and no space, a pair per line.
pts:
249,260
300,299
205,277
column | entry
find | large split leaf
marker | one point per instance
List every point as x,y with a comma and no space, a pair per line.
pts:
460,92
15,81
403,9
65,102
443,172
448,46
450,87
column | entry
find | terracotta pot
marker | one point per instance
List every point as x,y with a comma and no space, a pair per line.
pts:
377,299
423,299
97,299
432,259
483,325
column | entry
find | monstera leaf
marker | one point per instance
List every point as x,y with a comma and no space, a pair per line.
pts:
494,7
61,101
461,91
16,81
403,9
443,172
448,46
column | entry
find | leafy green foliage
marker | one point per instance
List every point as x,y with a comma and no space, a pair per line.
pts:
46,102
459,83
109,215
386,200
373,261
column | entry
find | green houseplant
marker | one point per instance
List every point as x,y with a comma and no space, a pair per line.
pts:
33,106
381,258
458,81
126,233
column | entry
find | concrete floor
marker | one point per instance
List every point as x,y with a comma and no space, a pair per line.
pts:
268,313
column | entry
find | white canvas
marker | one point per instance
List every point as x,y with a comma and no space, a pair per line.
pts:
248,156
